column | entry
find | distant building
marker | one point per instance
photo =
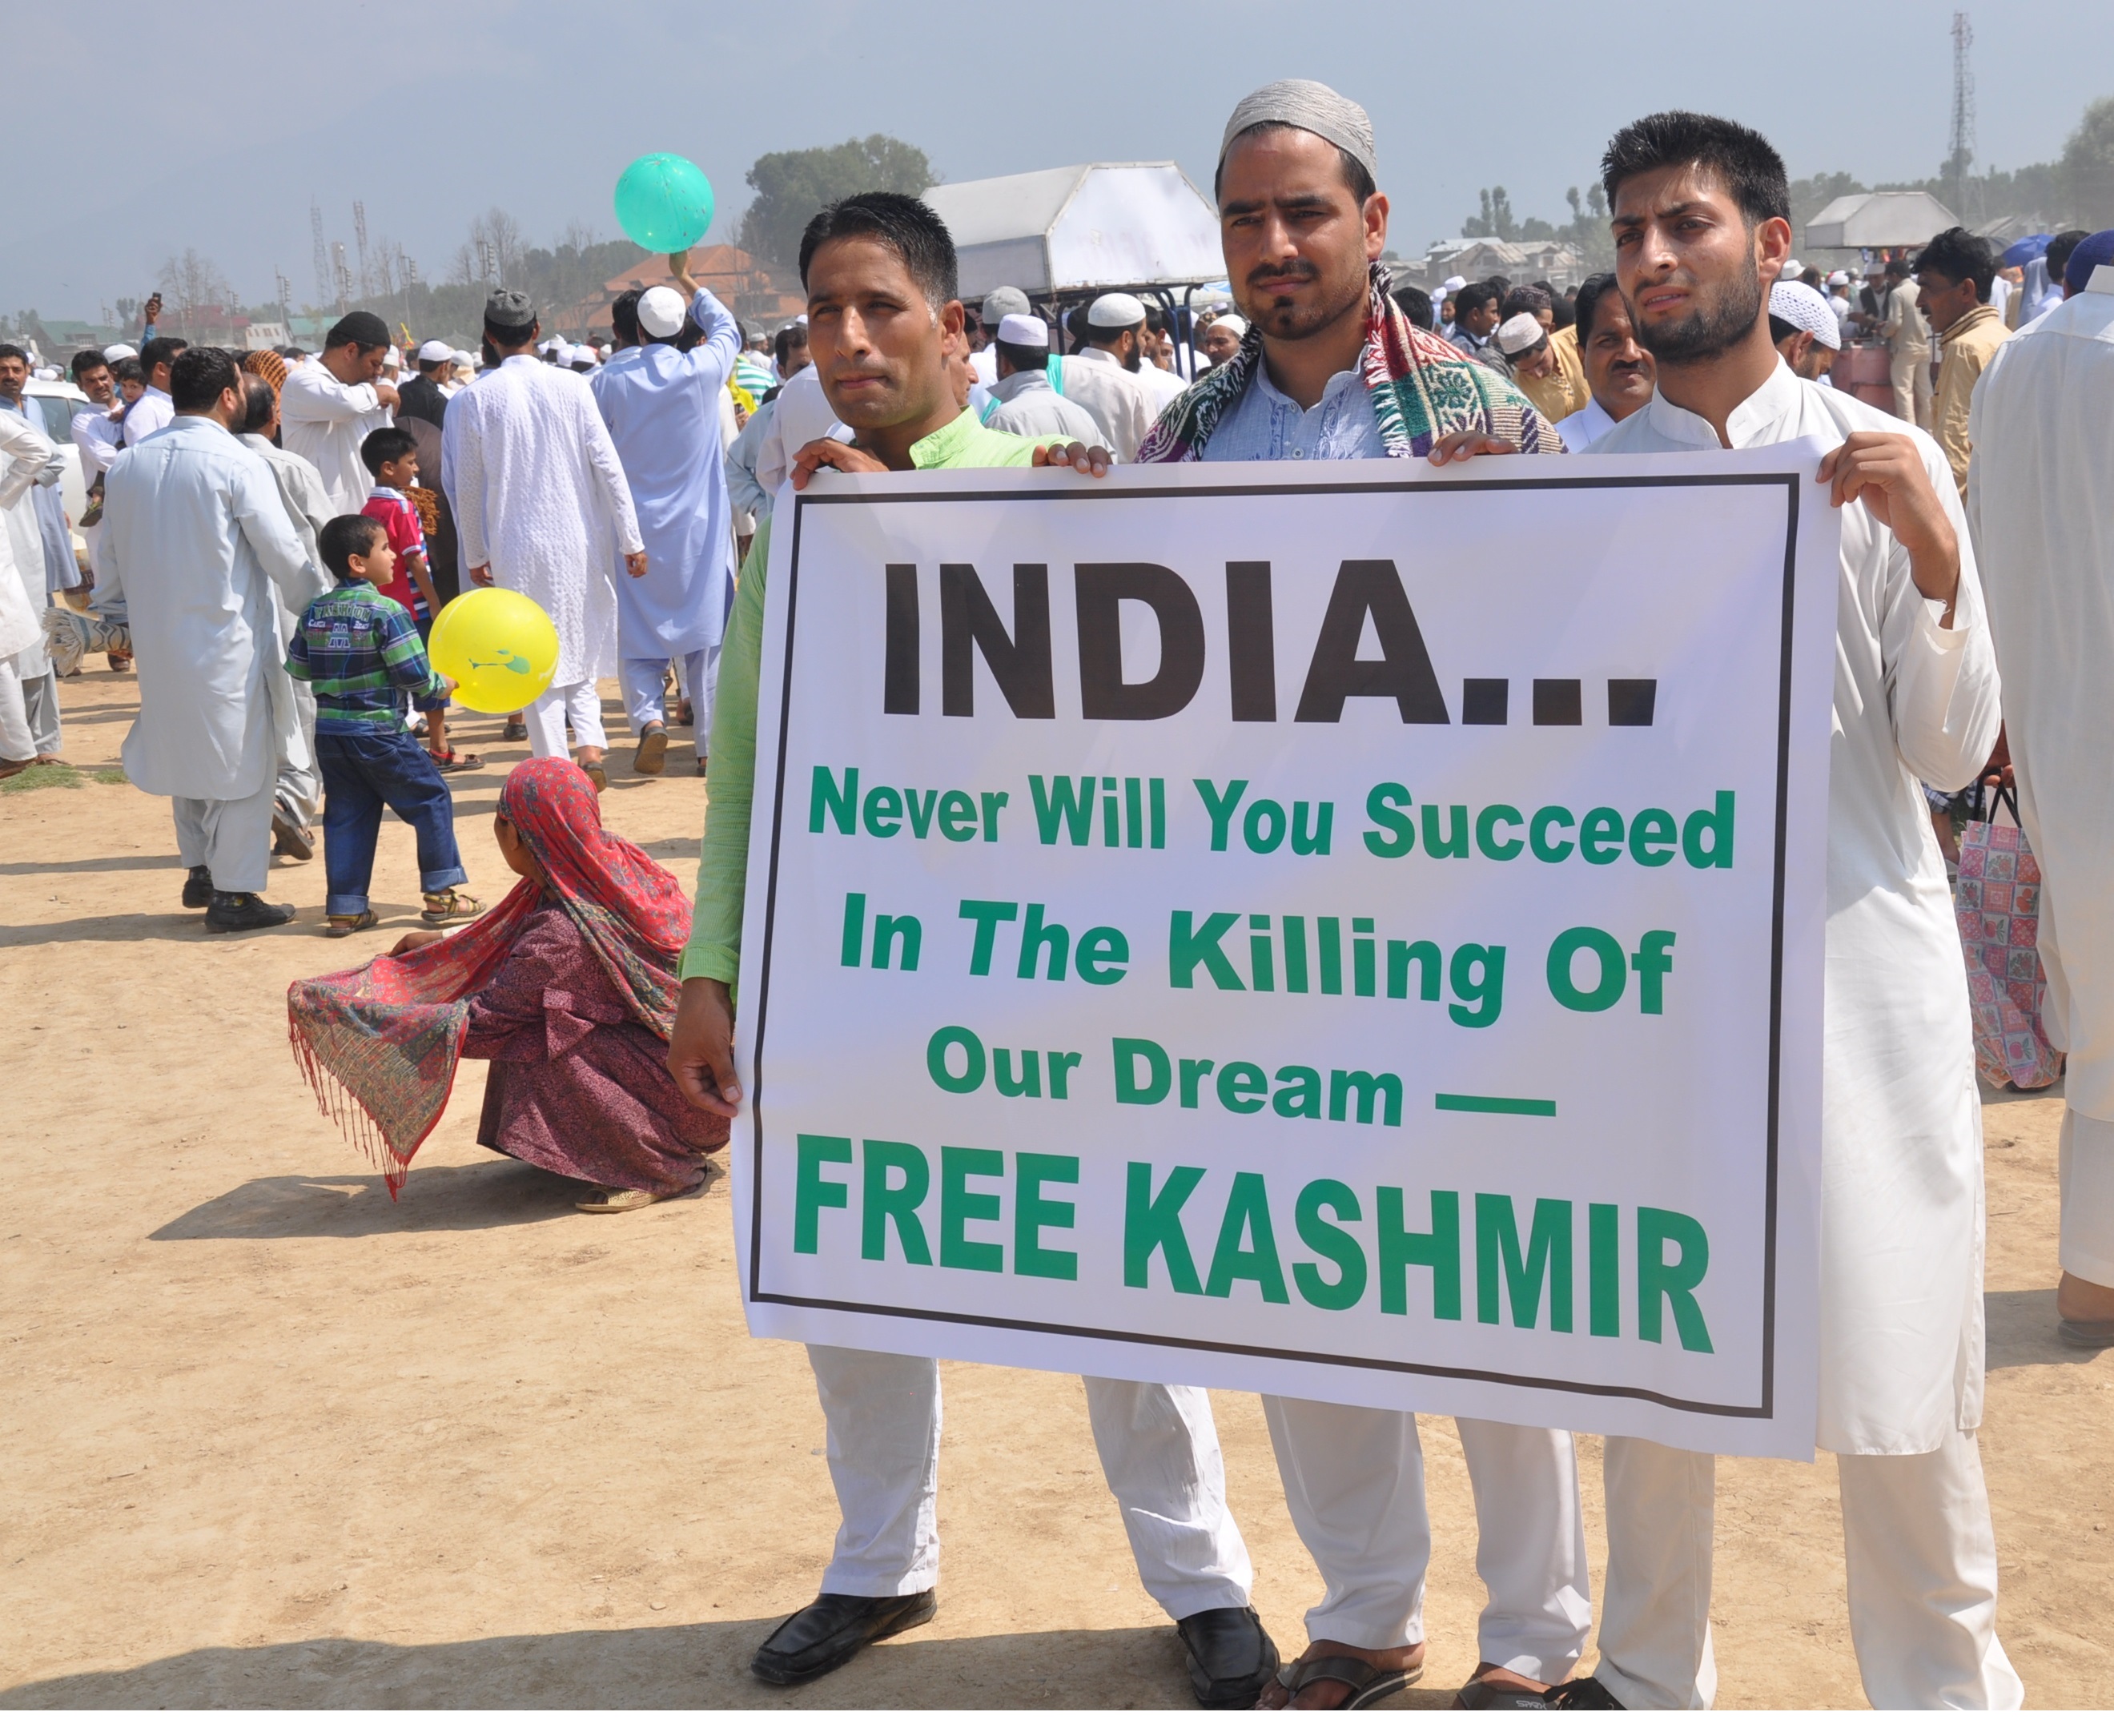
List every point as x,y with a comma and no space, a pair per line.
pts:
1478,257
753,292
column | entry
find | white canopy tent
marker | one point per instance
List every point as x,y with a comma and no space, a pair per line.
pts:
1089,228
1869,220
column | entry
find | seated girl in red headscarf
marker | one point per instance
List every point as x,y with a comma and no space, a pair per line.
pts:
567,987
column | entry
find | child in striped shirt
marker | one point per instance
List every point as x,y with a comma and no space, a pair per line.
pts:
359,649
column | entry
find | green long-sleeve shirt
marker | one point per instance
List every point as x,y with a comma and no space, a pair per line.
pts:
715,948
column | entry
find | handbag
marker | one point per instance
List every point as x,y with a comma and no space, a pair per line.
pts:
1997,904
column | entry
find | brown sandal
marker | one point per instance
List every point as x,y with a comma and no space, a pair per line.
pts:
444,909
453,761
341,926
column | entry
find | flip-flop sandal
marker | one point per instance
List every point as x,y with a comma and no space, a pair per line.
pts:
453,761
515,732
1369,1684
597,776
341,926
2086,1335
461,907
628,1199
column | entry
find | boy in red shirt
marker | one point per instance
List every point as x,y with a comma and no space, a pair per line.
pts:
391,458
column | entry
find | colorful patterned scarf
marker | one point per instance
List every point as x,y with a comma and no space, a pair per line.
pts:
379,1044
1421,387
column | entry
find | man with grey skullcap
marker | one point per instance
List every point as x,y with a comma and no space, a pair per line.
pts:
1004,300
1303,226
1330,368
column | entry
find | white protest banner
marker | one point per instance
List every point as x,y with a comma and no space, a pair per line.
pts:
1348,931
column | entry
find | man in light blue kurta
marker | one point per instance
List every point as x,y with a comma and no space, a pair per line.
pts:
662,406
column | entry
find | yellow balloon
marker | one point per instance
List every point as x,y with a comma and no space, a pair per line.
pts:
498,647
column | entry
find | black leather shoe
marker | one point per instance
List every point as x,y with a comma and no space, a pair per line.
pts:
1583,1694
1230,1657
833,1630
230,912
198,888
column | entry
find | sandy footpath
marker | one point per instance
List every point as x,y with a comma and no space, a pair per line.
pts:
272,1440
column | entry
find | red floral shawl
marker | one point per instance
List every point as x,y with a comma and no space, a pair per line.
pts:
380,1044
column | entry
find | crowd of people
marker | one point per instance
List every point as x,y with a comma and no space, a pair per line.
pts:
271,534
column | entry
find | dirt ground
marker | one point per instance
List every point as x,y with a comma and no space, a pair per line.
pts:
272,1440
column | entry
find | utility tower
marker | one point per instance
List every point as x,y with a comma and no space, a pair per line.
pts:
1959,148
359,239
324,291
344,279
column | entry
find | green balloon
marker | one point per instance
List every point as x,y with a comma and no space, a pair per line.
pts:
664,202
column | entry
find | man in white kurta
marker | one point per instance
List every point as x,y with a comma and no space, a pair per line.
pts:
762,457
1104,377
662,406
334,400
1901,1217
23,454
2040,499
542,507
298,788
198,546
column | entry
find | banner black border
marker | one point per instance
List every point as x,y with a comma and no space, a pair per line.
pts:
1788,481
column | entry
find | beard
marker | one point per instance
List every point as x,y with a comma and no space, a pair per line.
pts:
1284,318
1717,323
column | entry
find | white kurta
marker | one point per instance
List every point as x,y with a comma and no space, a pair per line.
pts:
26,453
195,543
325,420
1900,1216
1118,400
539,496
800,412
1582,428
2040,498
662,408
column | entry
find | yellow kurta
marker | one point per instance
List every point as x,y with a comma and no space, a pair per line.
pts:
1968,343
1571,366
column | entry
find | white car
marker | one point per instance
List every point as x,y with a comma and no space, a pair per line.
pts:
59,401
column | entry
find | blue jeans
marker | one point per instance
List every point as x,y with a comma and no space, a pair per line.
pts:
362,773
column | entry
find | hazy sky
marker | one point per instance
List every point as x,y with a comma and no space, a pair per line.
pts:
213,125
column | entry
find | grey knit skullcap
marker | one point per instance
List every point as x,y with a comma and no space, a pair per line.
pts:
1311,107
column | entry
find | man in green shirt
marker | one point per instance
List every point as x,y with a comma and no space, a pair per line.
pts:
885,329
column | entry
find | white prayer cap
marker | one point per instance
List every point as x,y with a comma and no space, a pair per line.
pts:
435,350
463,359
1116,312
1003,300
661,311
1839,280
1790,271
394,359
1233,323
1313,108
1450,285
602,354
1802,305
1026,330
1520,334
47,373
120,353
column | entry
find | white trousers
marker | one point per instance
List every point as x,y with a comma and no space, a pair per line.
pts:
40,710
698,679
2087,1173
296,792
1354,1482
1922,1559
578,704
18,741
231,839
1159,1450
